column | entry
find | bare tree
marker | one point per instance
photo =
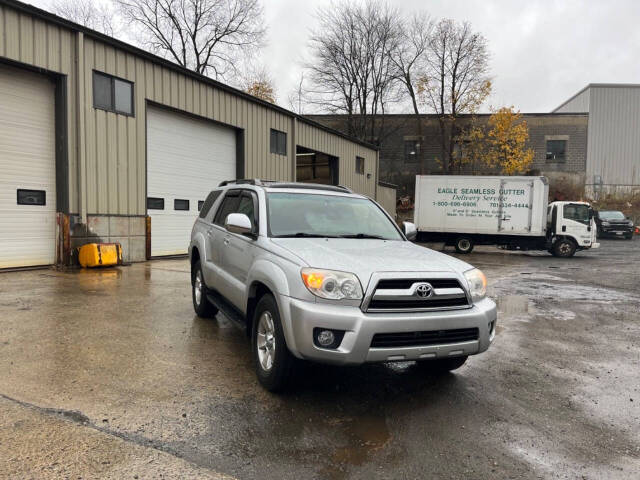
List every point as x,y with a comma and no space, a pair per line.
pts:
456,79
410,62
97,15
352,71
296,98
207,36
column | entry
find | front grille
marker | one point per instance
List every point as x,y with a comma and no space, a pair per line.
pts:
400,295
419,339
413,304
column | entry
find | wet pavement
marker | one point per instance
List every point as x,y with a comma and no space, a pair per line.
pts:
109,374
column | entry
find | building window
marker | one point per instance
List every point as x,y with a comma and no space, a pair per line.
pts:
556,150
278,142
155,203
411,151
360,165
112,94
179,204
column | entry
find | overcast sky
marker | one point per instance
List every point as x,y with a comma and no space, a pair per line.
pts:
542,51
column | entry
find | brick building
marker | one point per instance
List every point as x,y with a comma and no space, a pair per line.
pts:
559,142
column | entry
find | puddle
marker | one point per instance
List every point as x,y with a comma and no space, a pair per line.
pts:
518,308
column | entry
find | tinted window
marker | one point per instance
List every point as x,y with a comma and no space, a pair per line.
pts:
123,92
577,213
101,91
556,150
32,197
229,205
246,207
112,94
278,142
208,203
155,203
179,204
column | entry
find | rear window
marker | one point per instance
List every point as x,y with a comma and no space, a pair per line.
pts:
208,203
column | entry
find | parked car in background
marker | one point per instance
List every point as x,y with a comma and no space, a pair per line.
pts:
614,223
319,273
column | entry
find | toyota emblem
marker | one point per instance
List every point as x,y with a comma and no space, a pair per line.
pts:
424,290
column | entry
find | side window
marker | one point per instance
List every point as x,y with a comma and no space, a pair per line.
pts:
229,205
577,213
208,203
246,206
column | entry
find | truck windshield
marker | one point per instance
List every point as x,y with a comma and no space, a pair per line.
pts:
611,215
318,215
577,212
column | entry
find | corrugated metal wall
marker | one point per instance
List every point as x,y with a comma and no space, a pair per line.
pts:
114,146
386,196
578,104
614,135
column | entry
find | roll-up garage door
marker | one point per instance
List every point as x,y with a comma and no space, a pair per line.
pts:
27,169
186,158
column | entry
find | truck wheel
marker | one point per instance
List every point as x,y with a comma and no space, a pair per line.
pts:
464,245
201,305
443,365
271,357
564,248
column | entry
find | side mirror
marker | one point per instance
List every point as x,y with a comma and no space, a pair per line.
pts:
409,230
238,223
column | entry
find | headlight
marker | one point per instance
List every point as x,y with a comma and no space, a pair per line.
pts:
477,284
605,224
332,284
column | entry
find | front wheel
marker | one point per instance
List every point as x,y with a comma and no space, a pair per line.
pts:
443,365
271,357
201,305
464,245
564,248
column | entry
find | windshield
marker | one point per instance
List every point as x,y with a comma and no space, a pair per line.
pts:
317,215
611,215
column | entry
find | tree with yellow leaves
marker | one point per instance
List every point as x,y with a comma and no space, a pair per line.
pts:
507,142
262,89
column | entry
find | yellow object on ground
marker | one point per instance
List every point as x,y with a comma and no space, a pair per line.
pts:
100,254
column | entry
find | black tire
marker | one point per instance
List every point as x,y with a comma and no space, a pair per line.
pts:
276,377
564,248
629,236
464,245
201,305
443,365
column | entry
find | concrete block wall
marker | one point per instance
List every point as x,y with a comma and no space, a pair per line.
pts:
128,231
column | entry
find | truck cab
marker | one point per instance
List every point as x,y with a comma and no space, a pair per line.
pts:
571,227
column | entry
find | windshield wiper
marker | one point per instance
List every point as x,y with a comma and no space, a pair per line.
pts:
362,235
304,235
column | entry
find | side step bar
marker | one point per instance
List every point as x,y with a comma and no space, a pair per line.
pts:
225,307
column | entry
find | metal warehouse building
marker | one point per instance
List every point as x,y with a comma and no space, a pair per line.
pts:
102,140
613,139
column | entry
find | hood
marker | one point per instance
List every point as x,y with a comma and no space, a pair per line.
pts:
364,257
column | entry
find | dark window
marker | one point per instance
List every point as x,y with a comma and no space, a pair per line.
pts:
155,203
278,142
208,203
246,206
179,204
577,213
556,150
200,204
360,165
411,151
229,205
112,94
32,197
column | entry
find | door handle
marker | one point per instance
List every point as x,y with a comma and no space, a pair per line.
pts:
564,228
210,233
226,241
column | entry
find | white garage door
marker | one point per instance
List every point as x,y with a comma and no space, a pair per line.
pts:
186,159
27,169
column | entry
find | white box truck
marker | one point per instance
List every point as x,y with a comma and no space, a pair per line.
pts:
511,212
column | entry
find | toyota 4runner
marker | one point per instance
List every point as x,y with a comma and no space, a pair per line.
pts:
319,273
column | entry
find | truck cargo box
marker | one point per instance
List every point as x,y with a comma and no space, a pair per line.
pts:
481,205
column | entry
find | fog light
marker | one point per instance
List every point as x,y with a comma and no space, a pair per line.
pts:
325,338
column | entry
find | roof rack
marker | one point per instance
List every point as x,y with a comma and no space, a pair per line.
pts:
276,184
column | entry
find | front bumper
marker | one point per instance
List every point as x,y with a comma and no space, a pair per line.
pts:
300,318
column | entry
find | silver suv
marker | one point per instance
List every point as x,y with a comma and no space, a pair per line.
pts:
319,273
